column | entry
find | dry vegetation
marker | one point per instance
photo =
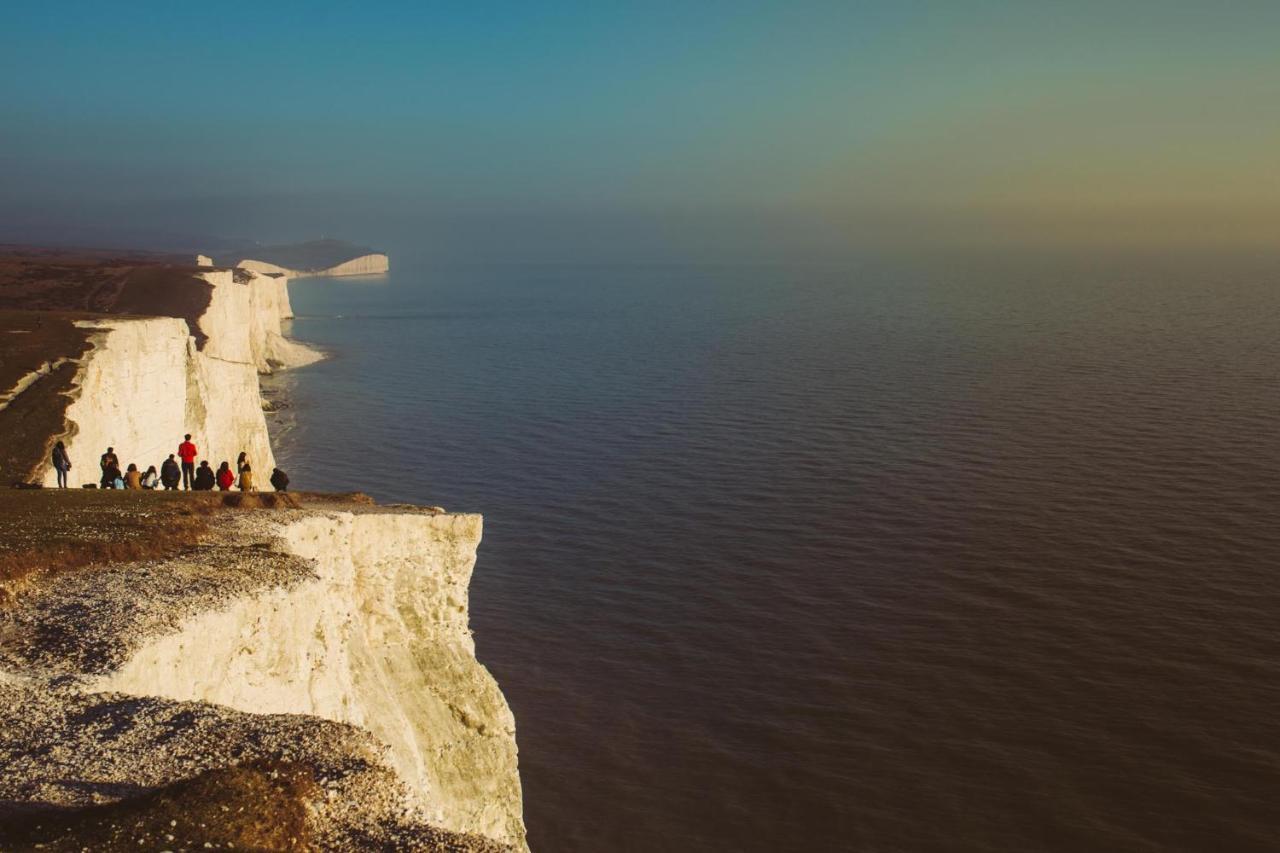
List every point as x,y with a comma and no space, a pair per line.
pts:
103,283
42,293
44,532
44,344
47,531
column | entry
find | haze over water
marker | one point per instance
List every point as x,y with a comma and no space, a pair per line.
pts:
959,553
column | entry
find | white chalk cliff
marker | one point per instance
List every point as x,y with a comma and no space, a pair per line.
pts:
146,383
373,264
371,631
337,618
378,638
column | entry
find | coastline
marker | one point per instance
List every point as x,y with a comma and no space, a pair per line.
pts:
348,614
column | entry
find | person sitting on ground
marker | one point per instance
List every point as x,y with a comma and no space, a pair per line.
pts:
246,479
61,463
203,480
111,475
187,452
225,478
109,458
170,476
151,480
133,478
279,480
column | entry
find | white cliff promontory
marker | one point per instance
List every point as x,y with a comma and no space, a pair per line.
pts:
371,264
244,317
378,638
146,382
309,615
364,265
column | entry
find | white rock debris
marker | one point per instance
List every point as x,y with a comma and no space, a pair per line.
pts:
357,617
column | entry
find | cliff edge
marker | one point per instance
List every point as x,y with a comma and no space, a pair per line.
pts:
133,355
192,670
311,633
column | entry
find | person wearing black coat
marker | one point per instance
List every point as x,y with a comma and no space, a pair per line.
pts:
61,463
279,480
204,479
170,473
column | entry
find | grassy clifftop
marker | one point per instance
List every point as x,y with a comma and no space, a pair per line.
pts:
43,292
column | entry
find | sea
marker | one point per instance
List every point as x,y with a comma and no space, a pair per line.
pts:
968,551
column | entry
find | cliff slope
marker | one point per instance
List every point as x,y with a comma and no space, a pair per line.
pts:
327,639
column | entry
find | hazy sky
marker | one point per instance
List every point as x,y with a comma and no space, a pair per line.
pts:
627,128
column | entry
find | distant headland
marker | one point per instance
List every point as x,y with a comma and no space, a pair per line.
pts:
325,257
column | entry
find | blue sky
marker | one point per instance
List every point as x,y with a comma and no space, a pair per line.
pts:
841,113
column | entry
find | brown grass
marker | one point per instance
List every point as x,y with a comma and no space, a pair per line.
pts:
261,500
256,806
42,293
103,283
45,532
28,341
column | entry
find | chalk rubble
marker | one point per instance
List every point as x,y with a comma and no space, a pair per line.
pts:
356,617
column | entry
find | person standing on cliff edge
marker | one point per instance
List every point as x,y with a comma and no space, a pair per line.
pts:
187,452
61,463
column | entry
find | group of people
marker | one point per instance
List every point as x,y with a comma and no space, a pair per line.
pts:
172,472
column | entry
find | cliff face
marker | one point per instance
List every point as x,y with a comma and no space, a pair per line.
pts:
328,638
372,264
145,382
363,265
378,638
244,319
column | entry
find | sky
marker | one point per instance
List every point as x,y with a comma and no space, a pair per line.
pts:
647,130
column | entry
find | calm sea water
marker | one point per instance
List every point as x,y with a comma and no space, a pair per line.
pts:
966,554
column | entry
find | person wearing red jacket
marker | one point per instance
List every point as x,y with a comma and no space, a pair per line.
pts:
226,478
187,452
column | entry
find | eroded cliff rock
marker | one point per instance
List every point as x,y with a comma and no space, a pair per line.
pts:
293,618
147,382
